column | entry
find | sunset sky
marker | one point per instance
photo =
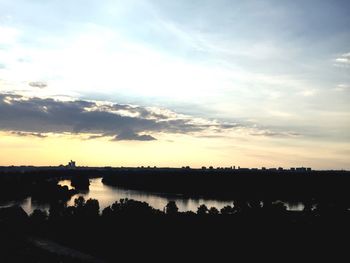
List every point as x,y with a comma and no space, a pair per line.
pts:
175,83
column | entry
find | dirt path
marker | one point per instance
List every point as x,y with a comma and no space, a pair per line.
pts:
57,249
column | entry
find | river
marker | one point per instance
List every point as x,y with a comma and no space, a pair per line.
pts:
107,195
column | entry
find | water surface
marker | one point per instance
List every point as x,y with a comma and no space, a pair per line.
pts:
107,195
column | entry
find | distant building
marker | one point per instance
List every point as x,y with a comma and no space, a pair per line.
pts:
303,169
71,164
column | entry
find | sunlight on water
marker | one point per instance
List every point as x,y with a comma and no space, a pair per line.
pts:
107,195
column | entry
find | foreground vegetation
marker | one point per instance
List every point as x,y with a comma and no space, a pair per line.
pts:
255,223
135,230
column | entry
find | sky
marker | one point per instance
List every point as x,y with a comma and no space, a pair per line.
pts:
175,83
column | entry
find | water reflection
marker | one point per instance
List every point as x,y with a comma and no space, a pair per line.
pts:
295,206
107,195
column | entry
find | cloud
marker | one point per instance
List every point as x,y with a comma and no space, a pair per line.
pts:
38,84
34,134
92,137
8,35
343,60
33,116
342,87
307,92
268,133
130,136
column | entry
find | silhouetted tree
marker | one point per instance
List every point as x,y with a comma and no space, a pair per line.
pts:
202,210
79,202
255,204
227,210
213,211
39,216
279,207
50,191
70,211
129,207
57,210
240,206
80,182
307,206
92,208
107,212
171,208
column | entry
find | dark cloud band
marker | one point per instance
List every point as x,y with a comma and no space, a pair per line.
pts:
24,116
